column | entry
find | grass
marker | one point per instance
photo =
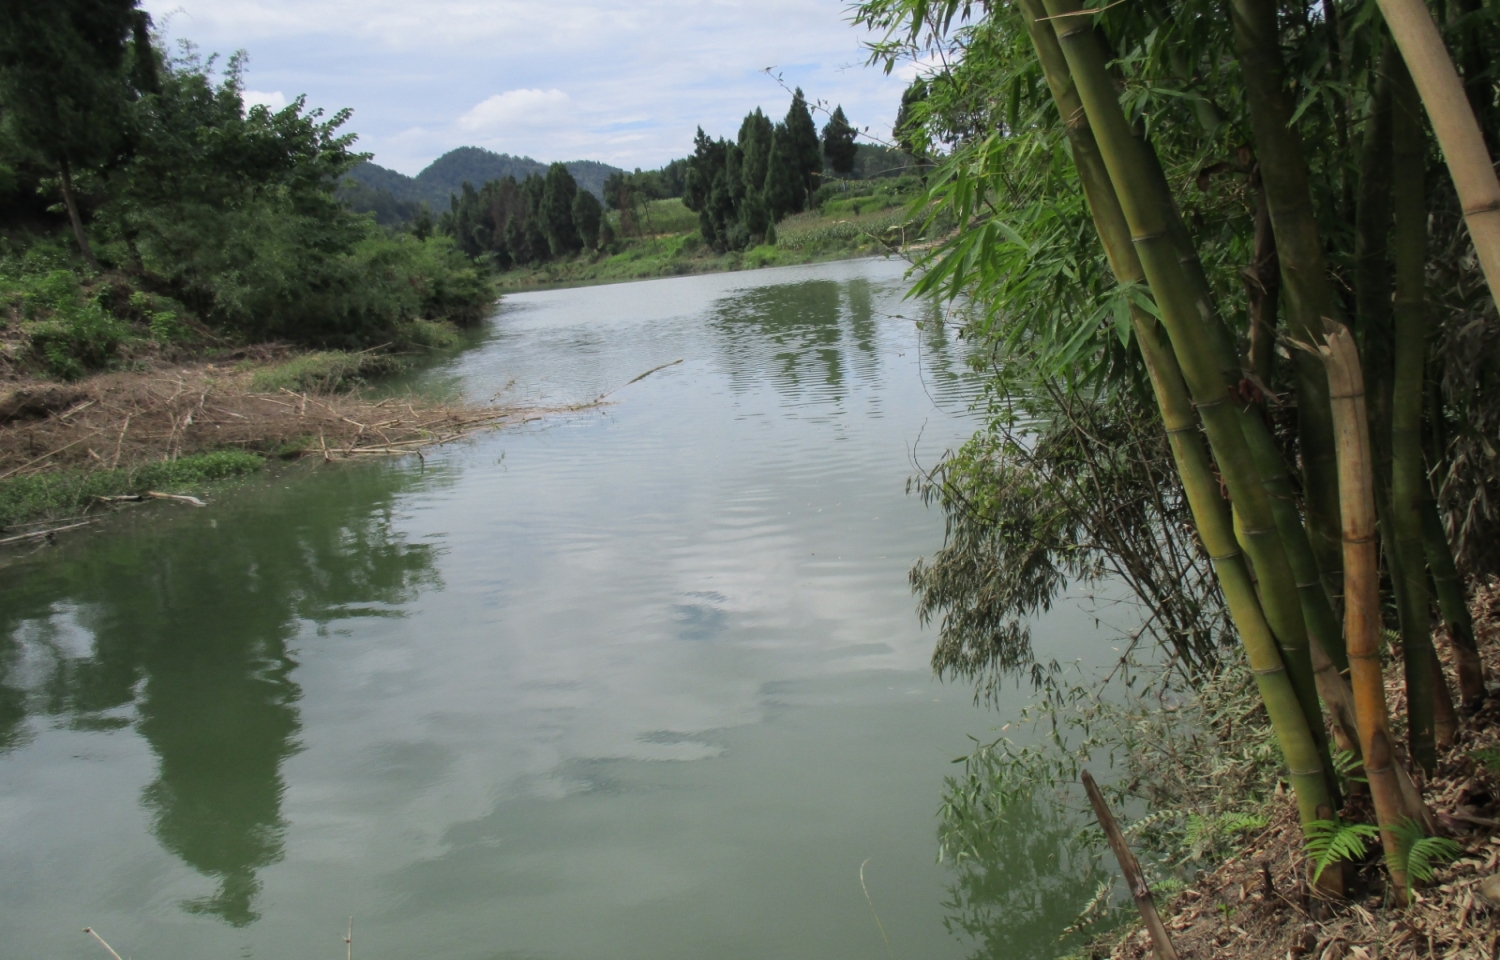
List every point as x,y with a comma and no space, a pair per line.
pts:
327,371
67,492
669,216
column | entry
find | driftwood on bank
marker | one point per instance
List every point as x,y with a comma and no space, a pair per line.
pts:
122,419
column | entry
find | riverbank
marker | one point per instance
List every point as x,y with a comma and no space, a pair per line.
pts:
841,230
1256,906
65,448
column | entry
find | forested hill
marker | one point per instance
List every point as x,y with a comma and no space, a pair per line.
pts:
476,165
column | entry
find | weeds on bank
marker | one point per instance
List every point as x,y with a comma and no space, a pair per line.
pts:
66,492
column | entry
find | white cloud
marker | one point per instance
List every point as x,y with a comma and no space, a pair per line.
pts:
516,108
622,81
276,100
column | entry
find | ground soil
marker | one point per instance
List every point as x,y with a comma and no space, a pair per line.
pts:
1257,905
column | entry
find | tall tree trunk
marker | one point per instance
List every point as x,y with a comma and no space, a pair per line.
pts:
1308,294
1148,224
71,202
1362,589
1453,121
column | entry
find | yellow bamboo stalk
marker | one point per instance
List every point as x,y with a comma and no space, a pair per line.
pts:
1362,585
1453,121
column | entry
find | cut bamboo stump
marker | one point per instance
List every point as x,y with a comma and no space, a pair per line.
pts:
1131,868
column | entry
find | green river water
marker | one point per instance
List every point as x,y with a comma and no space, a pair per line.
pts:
641,682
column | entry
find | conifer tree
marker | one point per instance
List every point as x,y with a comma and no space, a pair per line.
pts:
587,213
516,240
805,151
785,190
556,217
755,144
838,143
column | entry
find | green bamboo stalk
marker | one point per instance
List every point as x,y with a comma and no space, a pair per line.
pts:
1127,170
1453,602
1318,614
1317,618
1306,290
1409,168
1263,291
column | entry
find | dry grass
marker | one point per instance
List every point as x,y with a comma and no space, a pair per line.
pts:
1256,905
119,419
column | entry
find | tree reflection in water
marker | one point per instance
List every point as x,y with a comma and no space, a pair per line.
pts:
1021,871
190,624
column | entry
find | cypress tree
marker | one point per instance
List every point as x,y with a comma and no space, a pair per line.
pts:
755,155
755,145
785,192
838,143
557,211
516,243
806,152
536,238
587,213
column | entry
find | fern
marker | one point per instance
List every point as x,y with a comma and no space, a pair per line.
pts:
1345,762
1489,758
1417,854
1329,842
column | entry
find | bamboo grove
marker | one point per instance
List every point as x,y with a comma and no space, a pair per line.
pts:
1299,224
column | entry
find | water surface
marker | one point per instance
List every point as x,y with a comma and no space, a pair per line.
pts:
639,681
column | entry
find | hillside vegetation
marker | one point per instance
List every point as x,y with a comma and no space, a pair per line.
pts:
394,198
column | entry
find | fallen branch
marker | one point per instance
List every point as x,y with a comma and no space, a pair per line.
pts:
43,534
152,495
1131,868
90,932
641,377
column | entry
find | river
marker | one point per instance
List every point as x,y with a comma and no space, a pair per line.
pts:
638,682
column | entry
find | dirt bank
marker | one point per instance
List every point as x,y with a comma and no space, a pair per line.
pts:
1256,905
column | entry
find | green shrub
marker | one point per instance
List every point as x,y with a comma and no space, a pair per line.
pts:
69,331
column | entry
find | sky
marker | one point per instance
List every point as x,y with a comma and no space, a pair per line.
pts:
626,83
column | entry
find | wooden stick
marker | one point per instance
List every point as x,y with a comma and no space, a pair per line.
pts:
43,534
1131,868
90,932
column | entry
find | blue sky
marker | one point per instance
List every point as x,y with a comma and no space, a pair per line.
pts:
625,83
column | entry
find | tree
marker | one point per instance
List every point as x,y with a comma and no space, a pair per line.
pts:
804,151
556,212
910,129
785,190
64,85
587,213
839,147
518,239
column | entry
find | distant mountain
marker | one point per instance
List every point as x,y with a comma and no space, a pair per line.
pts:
447,174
